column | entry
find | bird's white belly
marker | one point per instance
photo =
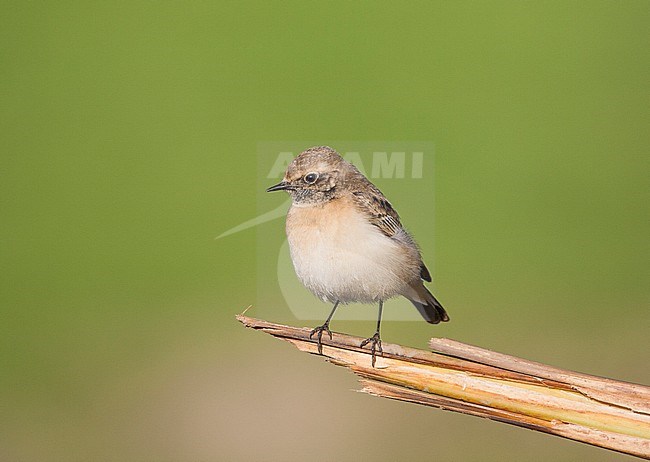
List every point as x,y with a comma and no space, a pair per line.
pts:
339,255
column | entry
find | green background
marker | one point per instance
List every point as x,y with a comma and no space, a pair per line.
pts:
128,141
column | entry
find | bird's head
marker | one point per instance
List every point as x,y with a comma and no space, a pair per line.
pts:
314,176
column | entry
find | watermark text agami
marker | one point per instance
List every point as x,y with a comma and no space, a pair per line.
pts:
383,164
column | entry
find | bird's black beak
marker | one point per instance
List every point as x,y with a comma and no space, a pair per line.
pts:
282,186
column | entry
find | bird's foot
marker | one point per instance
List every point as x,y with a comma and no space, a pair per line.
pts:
319,335
375,346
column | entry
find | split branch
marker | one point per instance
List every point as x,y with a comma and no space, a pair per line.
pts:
602,412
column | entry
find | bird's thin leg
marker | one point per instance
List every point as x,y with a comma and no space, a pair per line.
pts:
375,340
325,327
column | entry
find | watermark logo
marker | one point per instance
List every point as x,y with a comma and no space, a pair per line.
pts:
381,163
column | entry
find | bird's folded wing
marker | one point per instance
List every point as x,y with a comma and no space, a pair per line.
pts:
378,210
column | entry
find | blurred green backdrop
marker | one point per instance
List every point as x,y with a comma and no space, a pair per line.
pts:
128,134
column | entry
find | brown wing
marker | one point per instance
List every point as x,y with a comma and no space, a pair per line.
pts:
378,209
383,216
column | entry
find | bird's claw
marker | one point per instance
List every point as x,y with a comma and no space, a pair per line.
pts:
375,346
319,331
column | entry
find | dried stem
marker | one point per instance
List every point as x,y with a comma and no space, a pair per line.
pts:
463,378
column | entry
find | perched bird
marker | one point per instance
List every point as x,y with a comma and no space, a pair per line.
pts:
347,243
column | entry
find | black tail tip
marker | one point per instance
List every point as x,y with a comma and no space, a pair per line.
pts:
437,315
432,313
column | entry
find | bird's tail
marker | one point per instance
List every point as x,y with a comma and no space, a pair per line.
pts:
428,306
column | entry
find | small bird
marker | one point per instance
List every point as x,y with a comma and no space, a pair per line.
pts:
347,243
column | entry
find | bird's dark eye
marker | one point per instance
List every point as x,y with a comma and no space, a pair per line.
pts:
311,178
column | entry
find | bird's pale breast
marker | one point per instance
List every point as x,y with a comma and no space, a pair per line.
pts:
339,255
